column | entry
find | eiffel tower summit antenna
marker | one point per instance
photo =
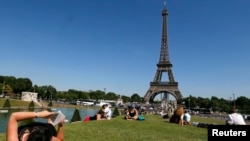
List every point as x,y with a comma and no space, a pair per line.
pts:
165,3
157,86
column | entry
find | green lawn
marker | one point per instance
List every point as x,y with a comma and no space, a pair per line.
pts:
153,128
15,103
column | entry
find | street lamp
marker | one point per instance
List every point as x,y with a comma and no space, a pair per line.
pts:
104,90
189,103
104,93
234,100
229,100
50,96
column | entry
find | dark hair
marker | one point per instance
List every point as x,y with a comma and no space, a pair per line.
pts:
104,106
40,134
38,131
232,111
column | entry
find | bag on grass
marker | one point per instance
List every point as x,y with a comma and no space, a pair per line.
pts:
141,118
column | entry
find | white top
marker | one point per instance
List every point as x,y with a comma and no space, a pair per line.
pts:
187,117
235,119
108,113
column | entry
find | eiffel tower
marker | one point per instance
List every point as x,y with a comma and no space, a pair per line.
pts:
157,86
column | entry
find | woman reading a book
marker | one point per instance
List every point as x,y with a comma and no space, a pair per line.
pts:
34,131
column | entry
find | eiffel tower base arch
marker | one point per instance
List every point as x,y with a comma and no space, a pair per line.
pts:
156,89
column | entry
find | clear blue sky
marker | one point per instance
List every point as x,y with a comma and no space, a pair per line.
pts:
115,44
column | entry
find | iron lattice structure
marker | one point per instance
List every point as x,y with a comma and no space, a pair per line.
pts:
158,86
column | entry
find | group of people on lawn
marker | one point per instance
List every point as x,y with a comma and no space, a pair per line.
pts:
47,132
182,117
105,113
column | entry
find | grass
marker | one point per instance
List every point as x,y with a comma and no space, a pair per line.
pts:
25,104
153,128
15,103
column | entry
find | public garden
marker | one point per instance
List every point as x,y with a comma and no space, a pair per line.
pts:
153,128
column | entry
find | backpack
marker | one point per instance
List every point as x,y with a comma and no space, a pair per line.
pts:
140,118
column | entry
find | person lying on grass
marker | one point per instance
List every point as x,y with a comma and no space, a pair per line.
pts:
34,131
103,114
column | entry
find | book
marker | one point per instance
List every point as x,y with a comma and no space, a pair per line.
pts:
57,117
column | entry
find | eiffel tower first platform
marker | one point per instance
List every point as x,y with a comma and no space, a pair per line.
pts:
157,86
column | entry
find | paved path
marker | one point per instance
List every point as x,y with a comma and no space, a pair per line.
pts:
221,118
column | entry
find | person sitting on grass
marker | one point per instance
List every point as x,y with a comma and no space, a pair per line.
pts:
34,131
132,113
107,112
186,118
235,118
103,114
176,117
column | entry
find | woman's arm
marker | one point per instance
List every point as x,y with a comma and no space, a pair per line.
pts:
12,127
136,113
181,119
100,117
60,133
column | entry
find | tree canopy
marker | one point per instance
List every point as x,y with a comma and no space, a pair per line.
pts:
13,85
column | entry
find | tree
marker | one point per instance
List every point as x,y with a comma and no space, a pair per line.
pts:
203,102
35,88
31,106
97,95
125,98
214,103
50,104
47,92
83,95
22,84
242,103
51,91
11,81
76,116
6,104
135,98
78,94
2,78
7,89
224,105
116,112
111,96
